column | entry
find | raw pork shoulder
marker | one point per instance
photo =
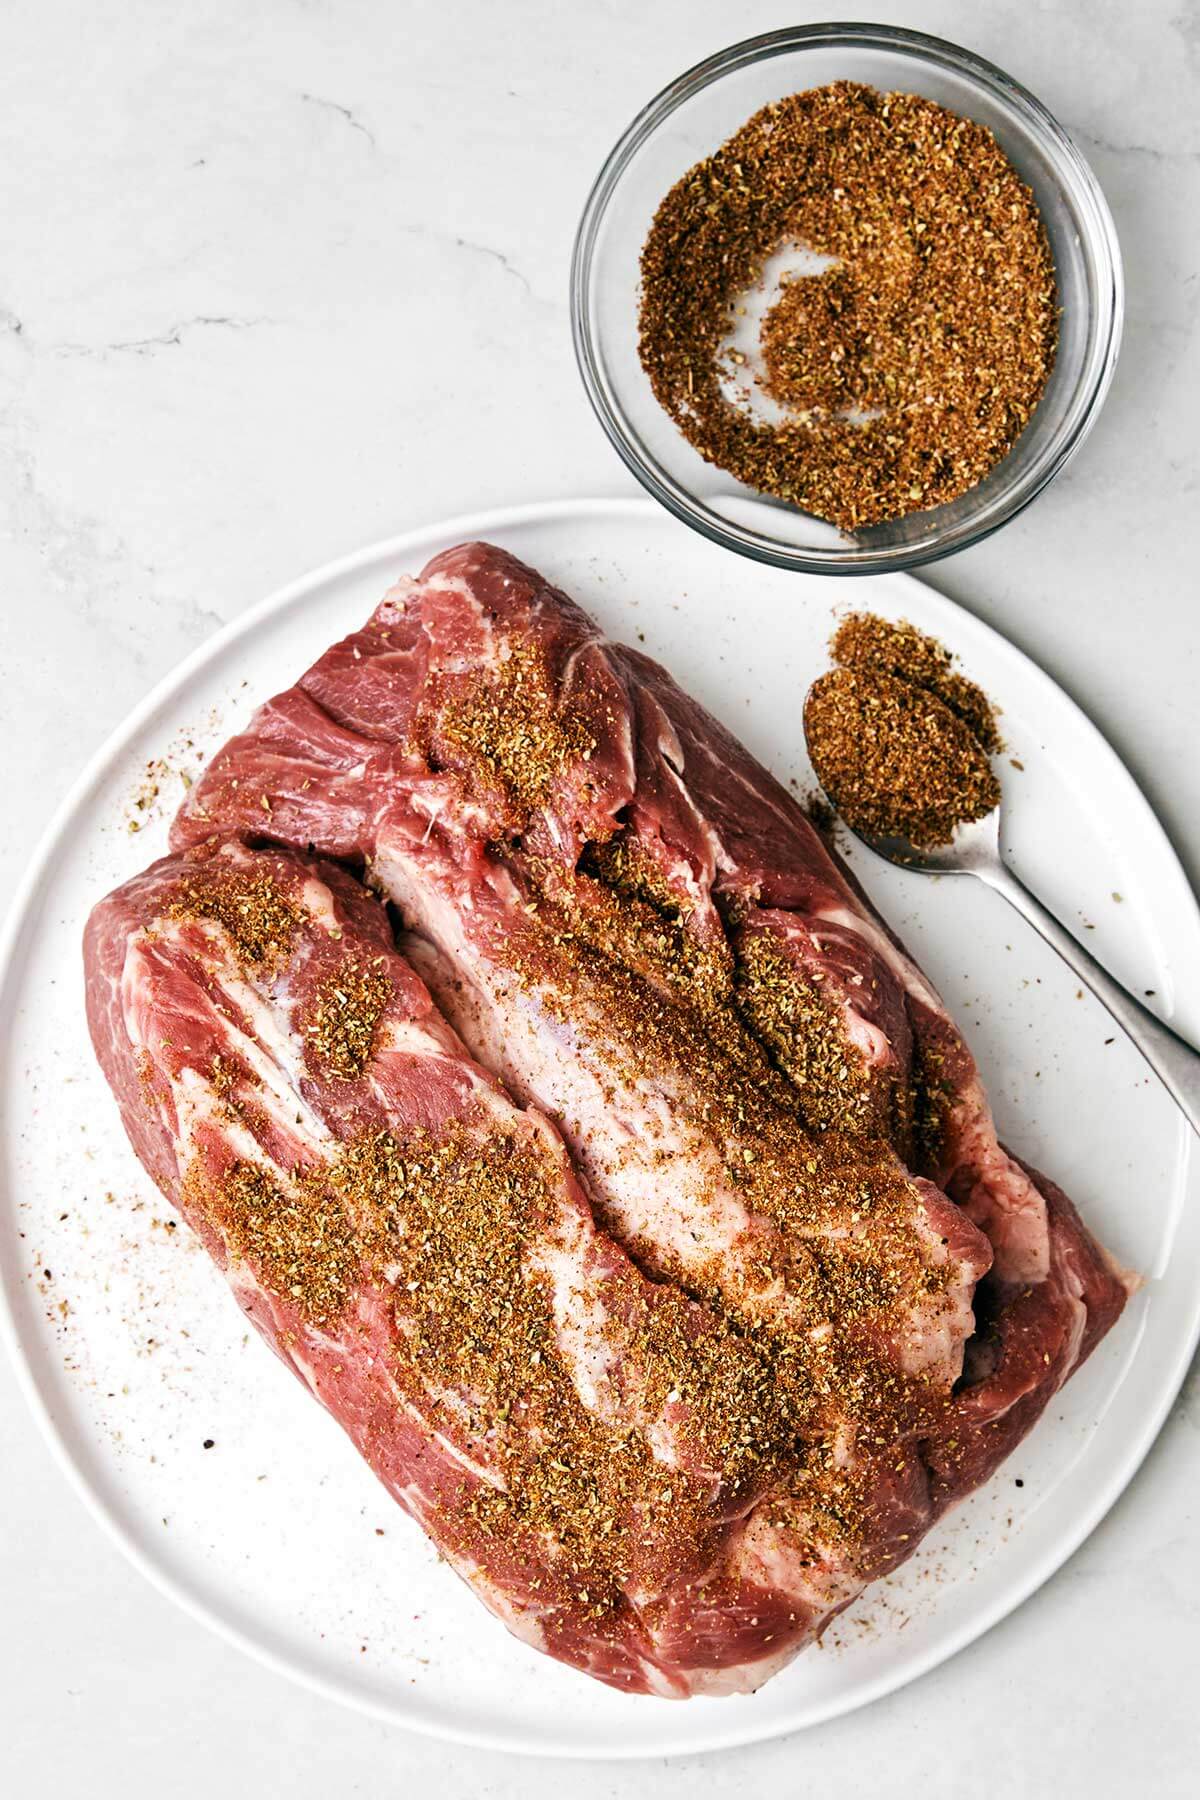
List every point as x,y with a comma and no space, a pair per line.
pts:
763,1293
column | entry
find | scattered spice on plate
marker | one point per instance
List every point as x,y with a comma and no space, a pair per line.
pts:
902,371
898,738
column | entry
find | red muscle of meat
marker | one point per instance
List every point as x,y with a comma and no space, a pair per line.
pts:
638,931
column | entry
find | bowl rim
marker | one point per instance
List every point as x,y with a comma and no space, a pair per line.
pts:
1085,402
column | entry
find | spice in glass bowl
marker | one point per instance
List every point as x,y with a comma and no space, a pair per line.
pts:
851,305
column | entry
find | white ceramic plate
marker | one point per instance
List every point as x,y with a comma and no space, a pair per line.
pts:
132,1353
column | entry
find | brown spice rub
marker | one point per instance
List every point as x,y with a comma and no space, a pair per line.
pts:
896,761
619,903
744,981
811,314
443,1223
805,1033
740,987
935,329
509,721
757,1409
731,1099
259,917
296,1238
847,1215
876,646
340,1035
452,1216
623,865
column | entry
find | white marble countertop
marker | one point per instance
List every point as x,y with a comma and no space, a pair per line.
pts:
278,280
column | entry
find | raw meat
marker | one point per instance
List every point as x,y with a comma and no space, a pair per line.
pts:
768,1117
596,1453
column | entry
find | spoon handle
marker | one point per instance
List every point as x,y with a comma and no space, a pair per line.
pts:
1175,1063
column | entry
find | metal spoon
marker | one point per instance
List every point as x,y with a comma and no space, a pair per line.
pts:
976,851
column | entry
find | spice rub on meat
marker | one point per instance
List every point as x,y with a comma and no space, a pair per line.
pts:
596,1453
724,1085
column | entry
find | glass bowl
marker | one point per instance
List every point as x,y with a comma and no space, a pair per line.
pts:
687,122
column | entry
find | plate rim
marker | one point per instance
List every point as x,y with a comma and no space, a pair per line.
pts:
176,1588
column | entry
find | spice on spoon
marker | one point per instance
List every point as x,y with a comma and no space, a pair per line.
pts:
876,646
898,738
